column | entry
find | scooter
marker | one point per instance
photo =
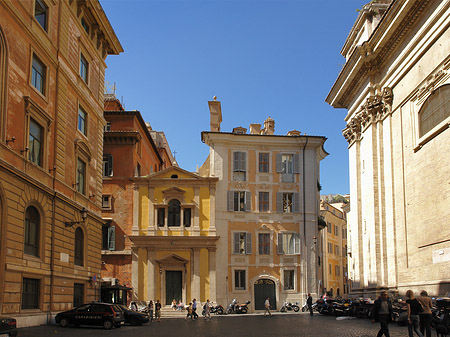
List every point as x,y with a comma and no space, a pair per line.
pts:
288,306
217,309
234,308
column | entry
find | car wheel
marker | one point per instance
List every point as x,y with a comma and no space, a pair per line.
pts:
134,321
64,322
107,325
296,308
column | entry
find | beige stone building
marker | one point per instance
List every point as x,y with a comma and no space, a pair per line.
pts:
334,249
52,67
267,207
395,86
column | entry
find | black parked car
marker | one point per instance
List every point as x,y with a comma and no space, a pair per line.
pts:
103,314
133,317
8,327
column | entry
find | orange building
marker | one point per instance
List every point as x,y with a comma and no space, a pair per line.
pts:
52,60
129,151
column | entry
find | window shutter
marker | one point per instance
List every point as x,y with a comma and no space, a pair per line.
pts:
236,161
248,243
236,243
279,202
112,238
296,163
110,165
279,163
296,243
280,244
248,201
243,162
230,199
295,202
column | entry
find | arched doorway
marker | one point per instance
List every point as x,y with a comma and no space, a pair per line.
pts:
265,288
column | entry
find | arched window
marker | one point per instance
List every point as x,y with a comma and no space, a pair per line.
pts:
79,246
32,229
435,109
173,217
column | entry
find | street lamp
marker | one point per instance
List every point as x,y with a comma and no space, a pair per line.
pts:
83,213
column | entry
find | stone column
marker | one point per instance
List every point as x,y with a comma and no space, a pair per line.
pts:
136,207
212,274
152,269
151,212
195,262
134,272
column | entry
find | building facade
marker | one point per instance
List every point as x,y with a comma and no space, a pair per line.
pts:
395,86
267,207
52,59
334,250
129,151
175,237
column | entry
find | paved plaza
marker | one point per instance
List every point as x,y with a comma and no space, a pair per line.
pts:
232,325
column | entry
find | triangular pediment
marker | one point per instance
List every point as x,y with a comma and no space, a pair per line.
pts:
174,172
172,259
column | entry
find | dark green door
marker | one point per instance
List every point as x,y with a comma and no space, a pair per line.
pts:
173,286
265,288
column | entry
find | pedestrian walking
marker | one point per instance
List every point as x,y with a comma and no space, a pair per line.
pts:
150,310
189,312
194,308
425,315
309,303
414,310
382,310
157,311
267,307
207,309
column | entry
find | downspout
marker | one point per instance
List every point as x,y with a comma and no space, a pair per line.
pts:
305,279
52,241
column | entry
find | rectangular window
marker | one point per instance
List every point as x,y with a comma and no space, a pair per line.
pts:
337,270
35,143
187,217
330,270
263,201
336,230
239,279
336,250
287,202
330,248
107,127
108,237
81,176
78,294
106,202
264,243
38,74
84,68
239,166
289,280
82,121
41,13
239,201
85,25
107,165
288,243
344,251
30,293
329,229
263,162
242,243
161,214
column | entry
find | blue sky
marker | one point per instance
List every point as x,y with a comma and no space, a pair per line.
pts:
260,58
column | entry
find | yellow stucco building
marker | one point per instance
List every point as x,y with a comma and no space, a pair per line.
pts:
174,239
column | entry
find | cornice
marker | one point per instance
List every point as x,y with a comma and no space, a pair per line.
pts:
174,242
370,57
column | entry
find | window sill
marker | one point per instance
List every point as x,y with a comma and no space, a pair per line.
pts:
432,134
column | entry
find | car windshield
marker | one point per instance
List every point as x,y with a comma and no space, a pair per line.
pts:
84,307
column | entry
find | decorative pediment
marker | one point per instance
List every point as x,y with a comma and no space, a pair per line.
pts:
173,193
172,259
174,172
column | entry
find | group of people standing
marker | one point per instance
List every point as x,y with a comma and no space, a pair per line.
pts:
419,313
156,307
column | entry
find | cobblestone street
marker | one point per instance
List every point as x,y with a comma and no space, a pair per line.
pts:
232,325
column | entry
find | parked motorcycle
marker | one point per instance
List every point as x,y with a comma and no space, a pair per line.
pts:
217,309
342,308
235,308
288,306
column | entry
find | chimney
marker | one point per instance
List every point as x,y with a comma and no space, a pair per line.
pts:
255,129
269,126
215,113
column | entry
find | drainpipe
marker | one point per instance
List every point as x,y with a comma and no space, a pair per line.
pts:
304,221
